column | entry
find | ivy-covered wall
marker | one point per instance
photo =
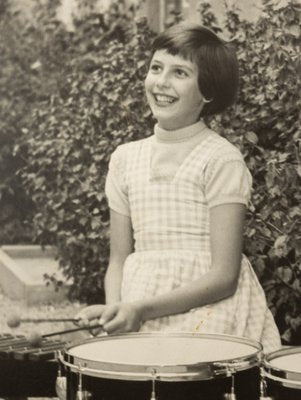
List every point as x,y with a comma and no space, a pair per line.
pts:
83,95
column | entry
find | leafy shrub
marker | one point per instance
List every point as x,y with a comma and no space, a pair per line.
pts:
29,75
265,124
100,104
72,138
15,93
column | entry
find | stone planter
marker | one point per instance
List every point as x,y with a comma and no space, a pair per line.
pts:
22,270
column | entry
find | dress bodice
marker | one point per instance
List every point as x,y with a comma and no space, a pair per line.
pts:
169,207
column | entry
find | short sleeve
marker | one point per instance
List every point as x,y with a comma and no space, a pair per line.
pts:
228,180
116,186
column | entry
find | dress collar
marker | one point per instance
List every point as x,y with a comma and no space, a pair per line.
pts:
179,135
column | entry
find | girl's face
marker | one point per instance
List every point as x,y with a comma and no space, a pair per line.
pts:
172,90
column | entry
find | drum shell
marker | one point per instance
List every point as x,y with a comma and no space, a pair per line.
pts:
282,383
279,392
209,383
247,385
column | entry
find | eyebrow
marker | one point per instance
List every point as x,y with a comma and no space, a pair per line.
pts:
175,65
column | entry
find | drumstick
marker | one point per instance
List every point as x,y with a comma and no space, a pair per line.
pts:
15,321
35,339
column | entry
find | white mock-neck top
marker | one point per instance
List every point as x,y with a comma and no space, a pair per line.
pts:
171,147
179,135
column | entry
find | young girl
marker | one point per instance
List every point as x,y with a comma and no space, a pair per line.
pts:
178,201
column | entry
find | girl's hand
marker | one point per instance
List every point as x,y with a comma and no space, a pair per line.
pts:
90,316
121,317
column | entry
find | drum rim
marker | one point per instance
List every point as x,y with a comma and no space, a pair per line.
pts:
198,371
283,377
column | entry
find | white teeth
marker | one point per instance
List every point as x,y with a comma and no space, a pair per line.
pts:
164,98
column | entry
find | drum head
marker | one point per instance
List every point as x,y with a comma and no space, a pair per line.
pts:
284,367
169,357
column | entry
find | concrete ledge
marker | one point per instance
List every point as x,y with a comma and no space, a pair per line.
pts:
22,270
19,251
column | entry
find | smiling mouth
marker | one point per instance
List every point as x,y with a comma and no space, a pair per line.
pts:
164,99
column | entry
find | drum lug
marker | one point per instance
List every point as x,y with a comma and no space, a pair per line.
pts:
61,385
263,387
153,394
231,395
81,393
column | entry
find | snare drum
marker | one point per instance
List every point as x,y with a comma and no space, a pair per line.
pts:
177,366
282,374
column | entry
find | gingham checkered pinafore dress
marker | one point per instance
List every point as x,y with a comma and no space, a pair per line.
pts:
170,220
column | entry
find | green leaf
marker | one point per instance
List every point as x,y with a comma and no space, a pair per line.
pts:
251,137
295,30
280,245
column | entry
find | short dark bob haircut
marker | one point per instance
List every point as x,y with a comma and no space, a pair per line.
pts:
215,58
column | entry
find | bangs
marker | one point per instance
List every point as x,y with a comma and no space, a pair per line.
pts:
185,40
176,46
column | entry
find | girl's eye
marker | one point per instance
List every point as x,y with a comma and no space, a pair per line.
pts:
181,73
155,68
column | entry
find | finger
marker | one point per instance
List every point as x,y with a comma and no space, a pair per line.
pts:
81,315
93,322
83,323
88,312
95,332
108,314
84,312
91,312
115,325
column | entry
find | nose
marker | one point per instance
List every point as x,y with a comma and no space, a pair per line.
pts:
163,79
